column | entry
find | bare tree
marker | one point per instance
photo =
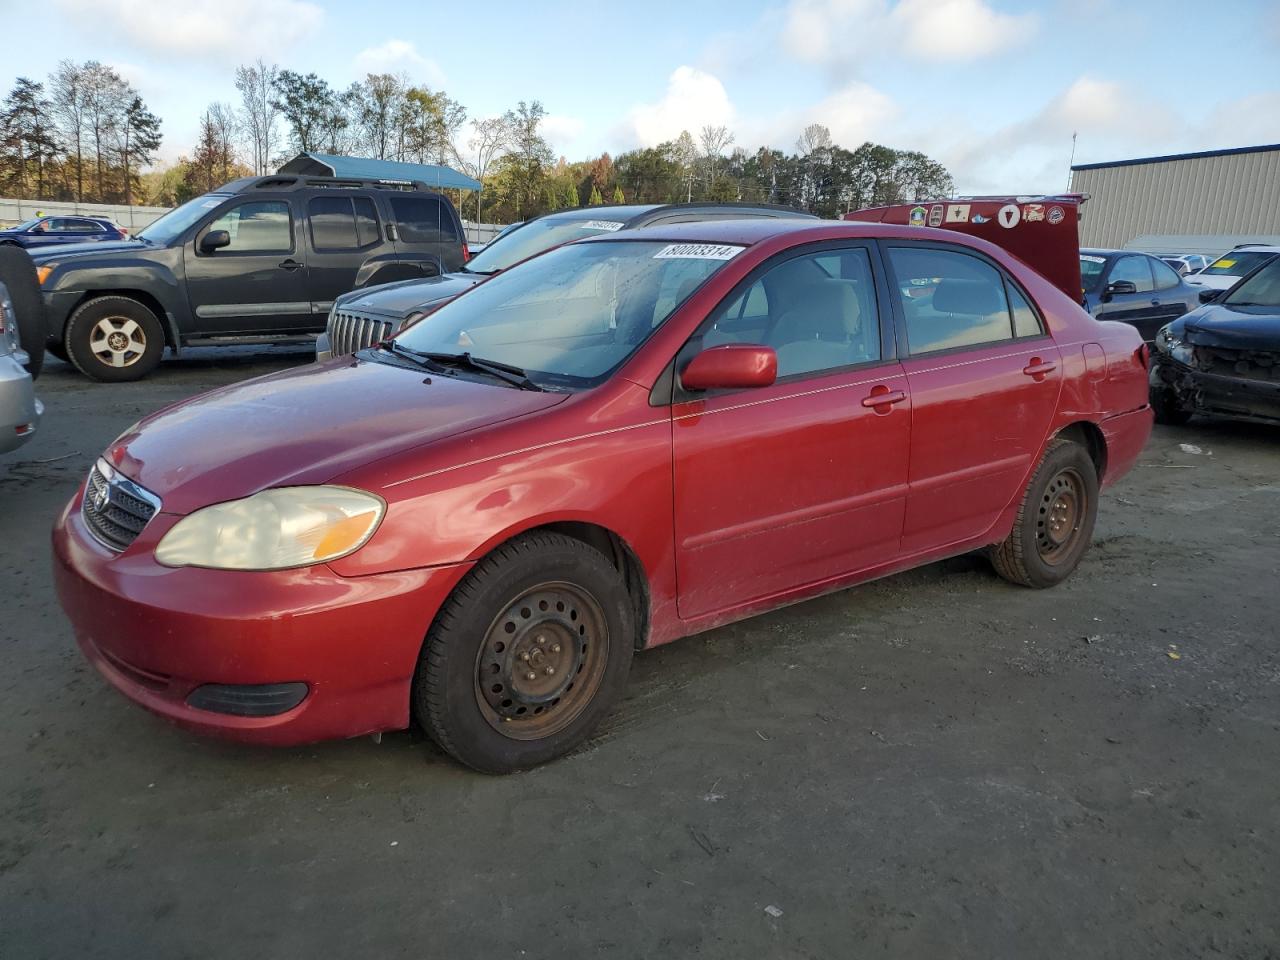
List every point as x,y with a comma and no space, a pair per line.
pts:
492,139
685,155
814,137
106,100
258,111
68,109
713,141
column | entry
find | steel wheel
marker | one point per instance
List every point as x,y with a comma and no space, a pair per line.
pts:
1062,510
542,661
118,341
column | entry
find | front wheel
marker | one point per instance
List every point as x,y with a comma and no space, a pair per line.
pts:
1055,520
1167,409
527,655
113,339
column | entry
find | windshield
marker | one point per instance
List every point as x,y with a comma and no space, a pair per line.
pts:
544,233
572,316
1260,290
176,222
1236,263
1091,270
28,225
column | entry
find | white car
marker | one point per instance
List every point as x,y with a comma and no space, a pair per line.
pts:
1185,263
1232,265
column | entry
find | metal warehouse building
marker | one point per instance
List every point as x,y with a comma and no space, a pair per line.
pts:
1186,203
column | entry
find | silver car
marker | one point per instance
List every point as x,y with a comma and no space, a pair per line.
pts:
20,411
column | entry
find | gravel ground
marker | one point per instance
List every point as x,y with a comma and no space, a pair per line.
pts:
935,765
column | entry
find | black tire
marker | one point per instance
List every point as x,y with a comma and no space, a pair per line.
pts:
1167,409
1055,519
18,274
106,329
541,611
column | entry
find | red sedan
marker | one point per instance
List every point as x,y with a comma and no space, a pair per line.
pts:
618,443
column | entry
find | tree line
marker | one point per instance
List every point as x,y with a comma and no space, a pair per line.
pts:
84,134
70,143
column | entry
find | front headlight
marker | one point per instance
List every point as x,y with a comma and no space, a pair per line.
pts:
274,530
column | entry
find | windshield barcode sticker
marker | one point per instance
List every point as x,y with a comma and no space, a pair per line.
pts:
697,251
609,225
1089,258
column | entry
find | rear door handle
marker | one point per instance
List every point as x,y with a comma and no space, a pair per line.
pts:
290,264
881,399
1038,369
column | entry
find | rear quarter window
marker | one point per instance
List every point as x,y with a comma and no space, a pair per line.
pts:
424,220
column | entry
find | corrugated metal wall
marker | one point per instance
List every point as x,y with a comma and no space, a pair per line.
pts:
1233,194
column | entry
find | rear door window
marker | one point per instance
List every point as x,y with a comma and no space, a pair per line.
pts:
342,223
1166,277
952,299
424,220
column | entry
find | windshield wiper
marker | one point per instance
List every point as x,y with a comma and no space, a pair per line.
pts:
503,371
413,356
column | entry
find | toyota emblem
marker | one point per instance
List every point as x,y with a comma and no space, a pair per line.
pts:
101,499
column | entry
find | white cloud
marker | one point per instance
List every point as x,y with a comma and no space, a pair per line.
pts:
693,100
959,29
238,30
399,56
838,34
562,131
855,113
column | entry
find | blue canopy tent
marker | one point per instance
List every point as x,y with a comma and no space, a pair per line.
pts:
363,168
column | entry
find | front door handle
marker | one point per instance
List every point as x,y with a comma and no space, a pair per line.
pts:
290,264
1038,369
881,399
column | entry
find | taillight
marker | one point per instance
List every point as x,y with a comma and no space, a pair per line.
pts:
1144,356
466,252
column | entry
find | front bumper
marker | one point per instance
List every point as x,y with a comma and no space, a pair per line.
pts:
20,411
1213,394
164,636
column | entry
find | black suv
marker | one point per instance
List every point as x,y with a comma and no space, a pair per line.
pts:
258,260
364,317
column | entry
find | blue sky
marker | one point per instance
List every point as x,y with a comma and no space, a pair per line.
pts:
993,88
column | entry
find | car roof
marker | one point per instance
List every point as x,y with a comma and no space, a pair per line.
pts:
618,212
638,214
753,230
1110,252
1254,248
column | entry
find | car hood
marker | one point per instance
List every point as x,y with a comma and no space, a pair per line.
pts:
1214,281
304,426
399,299
1218,325
71,251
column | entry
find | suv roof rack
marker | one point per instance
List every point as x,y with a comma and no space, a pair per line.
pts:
289,181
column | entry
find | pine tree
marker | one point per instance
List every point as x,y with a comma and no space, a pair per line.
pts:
618,196
571,198
596,200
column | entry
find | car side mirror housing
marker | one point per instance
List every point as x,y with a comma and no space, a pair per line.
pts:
1208,296
731,366
1119,287
214,240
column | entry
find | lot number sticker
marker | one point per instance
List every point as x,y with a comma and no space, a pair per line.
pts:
608,225
697,251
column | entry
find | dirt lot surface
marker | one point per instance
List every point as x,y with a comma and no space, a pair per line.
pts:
935,765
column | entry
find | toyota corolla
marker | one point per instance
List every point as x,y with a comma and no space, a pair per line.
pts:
626,440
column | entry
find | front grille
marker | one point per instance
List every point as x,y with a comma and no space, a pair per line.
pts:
1263,365
115,509
350,331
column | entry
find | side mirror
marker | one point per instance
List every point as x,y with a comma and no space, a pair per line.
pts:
214,240
1118,287
731,366
1210,295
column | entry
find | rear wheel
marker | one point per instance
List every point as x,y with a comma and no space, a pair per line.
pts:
113,339
1055,520
527,655
18,274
